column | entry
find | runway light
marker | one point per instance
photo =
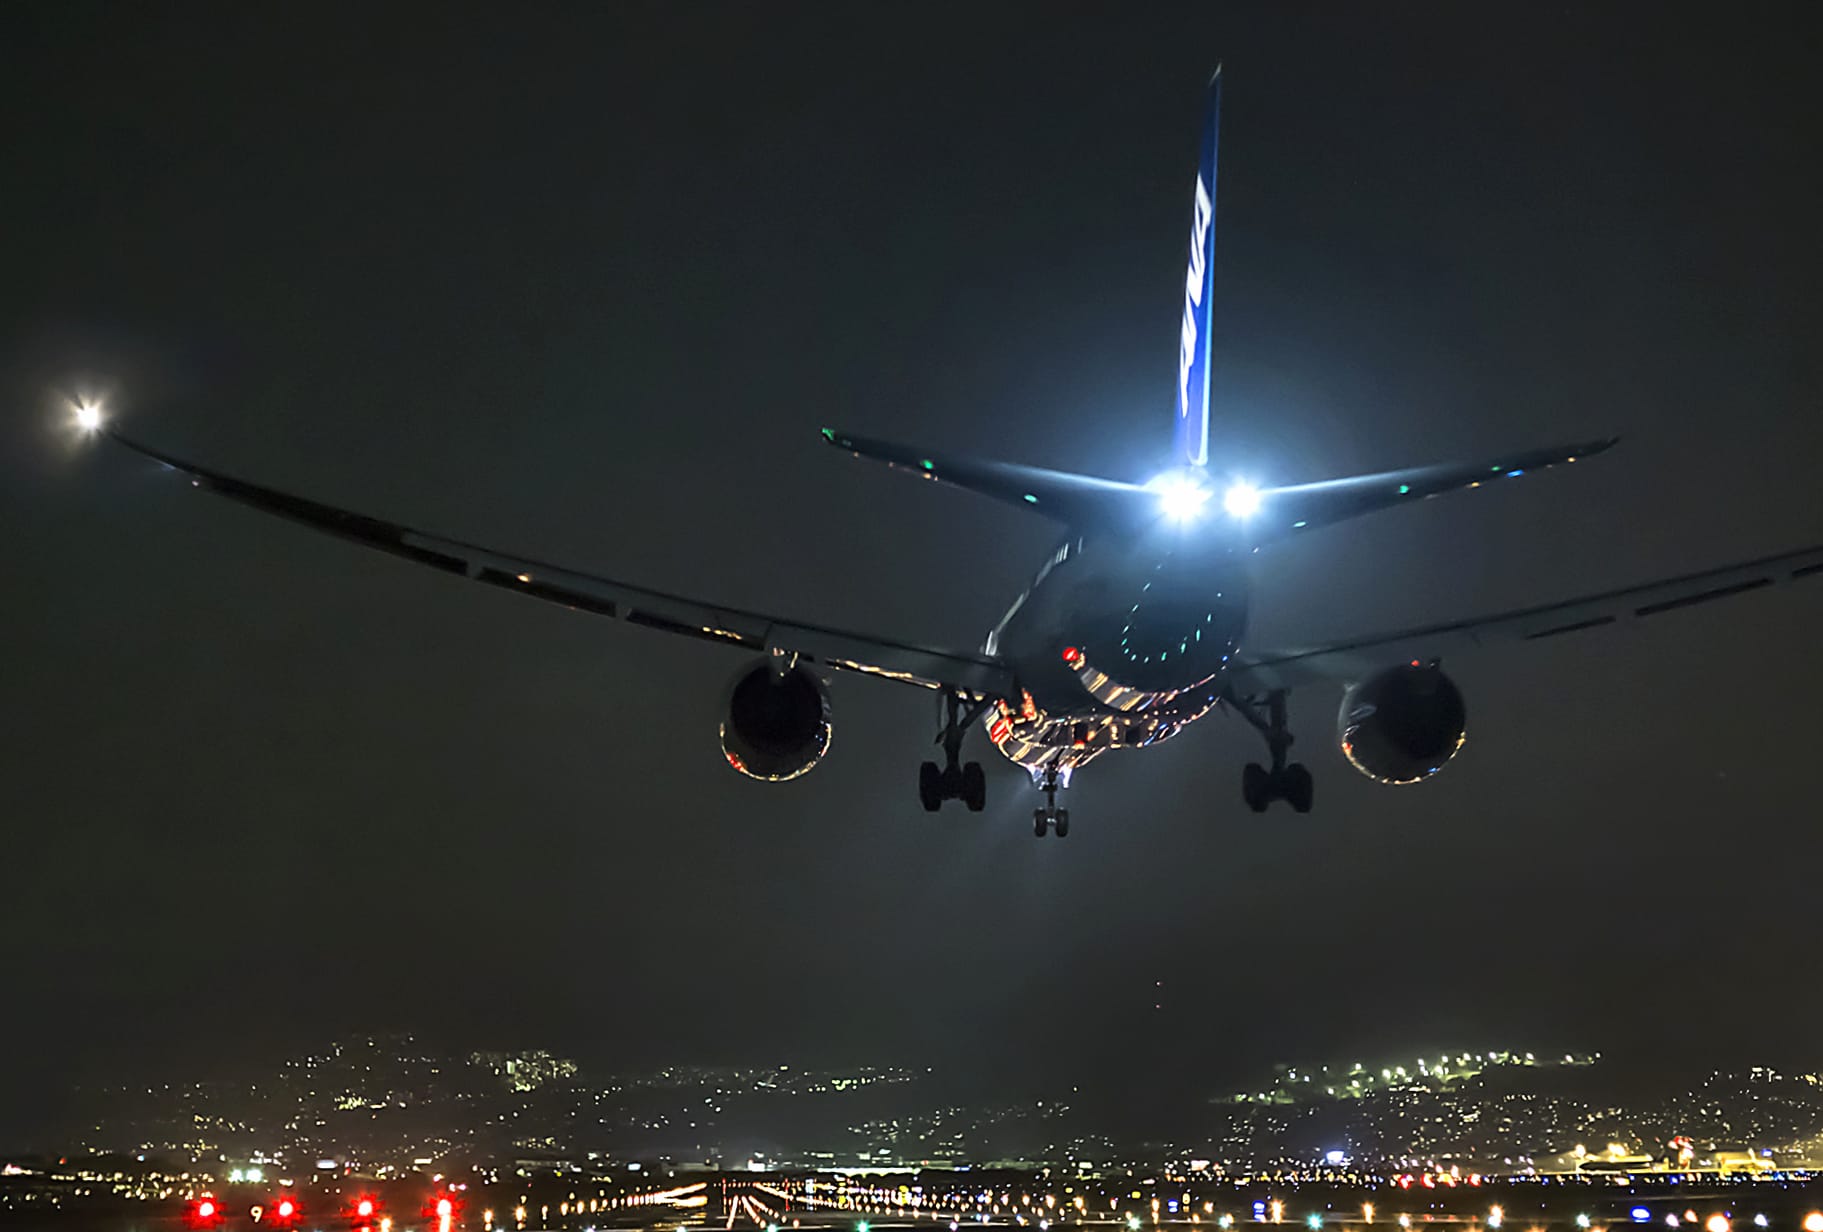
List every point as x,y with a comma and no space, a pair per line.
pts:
1813,1222
1717,1223
1759,1221
1242,500
364,1208
1495,1216
205,1209
1313,1221
1582,1221
1640,1214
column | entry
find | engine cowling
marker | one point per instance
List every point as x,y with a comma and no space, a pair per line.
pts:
778,725
1402,724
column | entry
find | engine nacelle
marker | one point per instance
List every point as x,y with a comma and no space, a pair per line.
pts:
1403,724
778,725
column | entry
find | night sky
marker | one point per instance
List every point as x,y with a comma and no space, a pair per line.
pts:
583,282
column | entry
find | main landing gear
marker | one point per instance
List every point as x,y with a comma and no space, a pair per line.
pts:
1290,783
955,781
1050,817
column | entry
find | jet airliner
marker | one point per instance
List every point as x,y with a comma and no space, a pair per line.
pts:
1133,628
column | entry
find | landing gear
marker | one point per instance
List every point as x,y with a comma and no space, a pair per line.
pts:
1050,817
954,780
1260,786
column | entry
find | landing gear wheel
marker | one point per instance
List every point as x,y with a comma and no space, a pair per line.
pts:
974,787
1062,823
1040,823
1256,786
952,782
930,787
1296,787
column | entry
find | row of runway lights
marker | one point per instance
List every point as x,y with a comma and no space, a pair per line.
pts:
1274,1212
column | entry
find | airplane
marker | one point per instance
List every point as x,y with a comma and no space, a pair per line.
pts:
1133,628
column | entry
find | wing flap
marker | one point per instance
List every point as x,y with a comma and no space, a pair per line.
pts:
1356,657
978,675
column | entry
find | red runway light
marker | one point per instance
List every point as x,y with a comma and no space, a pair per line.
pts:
444,1208
364,1208
285,1209
205,1209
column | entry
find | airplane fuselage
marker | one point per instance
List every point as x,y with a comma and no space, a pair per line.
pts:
1119,642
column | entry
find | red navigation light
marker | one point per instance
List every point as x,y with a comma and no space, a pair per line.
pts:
1071,654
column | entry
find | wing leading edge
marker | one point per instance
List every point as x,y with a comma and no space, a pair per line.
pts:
976,675
1356,658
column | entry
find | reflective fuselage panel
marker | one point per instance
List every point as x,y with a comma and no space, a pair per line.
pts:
1119,642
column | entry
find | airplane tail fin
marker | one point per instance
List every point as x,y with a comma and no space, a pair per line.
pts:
1192,438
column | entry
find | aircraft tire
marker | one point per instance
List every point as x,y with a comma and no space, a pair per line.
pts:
1063,823
930,787
1040,823
974,787
1298,788
1256,786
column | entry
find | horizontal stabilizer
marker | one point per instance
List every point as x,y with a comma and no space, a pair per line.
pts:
1080,500
1286,510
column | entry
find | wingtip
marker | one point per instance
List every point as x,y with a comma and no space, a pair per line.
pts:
1217,74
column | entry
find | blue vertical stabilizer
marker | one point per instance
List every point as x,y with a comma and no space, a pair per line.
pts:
1192,448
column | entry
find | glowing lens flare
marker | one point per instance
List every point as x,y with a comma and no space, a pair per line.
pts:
1242,500
1180,496
88,417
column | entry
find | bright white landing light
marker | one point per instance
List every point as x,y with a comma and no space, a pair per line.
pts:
1242,500
1180,497
88,417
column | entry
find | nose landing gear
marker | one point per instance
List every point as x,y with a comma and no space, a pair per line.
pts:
955,780
1050,817
1261,786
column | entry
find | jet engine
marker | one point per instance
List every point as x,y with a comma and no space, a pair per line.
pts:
1402,724
778,724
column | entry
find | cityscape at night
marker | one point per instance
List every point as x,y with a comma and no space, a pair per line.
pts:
695,616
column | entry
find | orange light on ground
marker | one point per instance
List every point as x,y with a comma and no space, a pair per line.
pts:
1717,1223
1813,1222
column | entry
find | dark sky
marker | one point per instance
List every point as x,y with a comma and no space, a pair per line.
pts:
582,281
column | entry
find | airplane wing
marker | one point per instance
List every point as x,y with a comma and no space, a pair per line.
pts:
1356,658
974,674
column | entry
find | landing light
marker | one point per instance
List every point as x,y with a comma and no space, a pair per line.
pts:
1180,496
1242,500
88,417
